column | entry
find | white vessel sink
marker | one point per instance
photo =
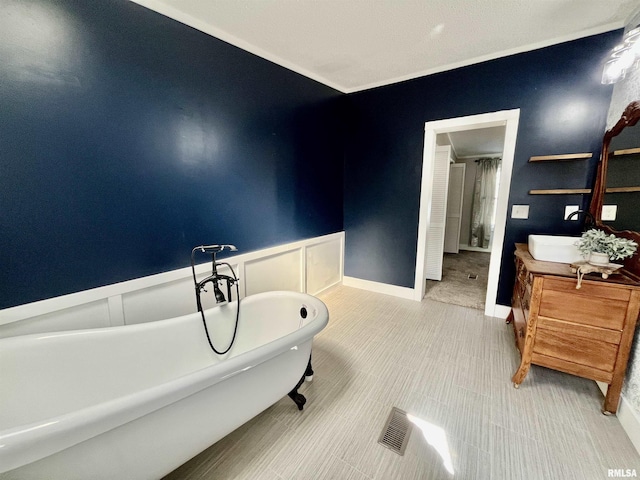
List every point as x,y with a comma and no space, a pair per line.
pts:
554,248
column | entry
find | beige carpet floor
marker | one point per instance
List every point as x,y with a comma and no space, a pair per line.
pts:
456,287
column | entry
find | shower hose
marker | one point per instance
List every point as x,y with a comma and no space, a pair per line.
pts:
201,310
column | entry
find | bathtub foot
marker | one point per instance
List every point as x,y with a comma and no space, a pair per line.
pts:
294,395
298,398
308,374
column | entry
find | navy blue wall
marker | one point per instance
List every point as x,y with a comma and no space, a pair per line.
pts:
563,109
127,138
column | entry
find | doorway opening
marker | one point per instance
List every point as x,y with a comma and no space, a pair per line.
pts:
432,225
471,191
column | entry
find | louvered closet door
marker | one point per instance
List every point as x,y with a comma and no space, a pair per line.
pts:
454,208
435,232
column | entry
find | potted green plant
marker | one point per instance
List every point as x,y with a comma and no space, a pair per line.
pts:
599,249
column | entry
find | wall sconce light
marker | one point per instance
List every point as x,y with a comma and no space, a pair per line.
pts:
623,58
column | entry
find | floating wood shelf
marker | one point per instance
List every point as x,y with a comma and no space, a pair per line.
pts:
622,189
628,151
582,191
561,191
568,156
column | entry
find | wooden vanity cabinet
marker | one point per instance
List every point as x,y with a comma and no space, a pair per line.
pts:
586,332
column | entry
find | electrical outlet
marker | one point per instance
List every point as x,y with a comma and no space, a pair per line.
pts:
569,209
520,211
609,212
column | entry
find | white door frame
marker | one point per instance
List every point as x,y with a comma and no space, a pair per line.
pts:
508,118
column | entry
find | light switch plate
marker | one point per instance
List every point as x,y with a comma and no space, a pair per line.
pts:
520,211
569,209
609,212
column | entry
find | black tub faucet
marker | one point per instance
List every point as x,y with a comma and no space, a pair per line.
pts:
215,277
588,218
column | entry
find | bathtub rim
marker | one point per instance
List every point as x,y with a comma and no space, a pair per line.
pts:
30,442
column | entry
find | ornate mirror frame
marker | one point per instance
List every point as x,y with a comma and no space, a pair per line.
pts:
629,118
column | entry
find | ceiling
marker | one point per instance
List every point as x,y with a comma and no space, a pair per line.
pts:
479,142
353,45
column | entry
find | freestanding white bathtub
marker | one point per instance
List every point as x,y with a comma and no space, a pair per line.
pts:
135,402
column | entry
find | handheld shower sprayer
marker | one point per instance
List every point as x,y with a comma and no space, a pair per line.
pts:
220,298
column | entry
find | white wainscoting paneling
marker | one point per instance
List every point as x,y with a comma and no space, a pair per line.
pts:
170,294
277,272
116,311
163,301
324,266
88,315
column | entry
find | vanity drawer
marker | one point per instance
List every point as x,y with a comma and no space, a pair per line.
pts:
579,350
568,329
591,305
588,288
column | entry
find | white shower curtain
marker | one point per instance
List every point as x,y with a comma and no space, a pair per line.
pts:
484,202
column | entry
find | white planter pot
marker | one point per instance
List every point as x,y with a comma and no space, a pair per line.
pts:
598,259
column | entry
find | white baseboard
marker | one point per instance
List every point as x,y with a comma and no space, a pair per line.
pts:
473,249
627,416
500,311
630,422
384,288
